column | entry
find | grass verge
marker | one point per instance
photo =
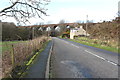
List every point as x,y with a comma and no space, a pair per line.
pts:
112,49
111,46
15,58
21,70
31,60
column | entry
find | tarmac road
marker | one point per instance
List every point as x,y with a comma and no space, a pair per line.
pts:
74,60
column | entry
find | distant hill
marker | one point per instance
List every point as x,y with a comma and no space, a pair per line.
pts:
109,30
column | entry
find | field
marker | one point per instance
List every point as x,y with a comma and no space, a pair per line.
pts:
7,45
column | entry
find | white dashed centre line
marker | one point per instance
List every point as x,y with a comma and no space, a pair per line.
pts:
101,58
112,63
70,44
74,45
93,54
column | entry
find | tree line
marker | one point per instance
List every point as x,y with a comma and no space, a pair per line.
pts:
12,32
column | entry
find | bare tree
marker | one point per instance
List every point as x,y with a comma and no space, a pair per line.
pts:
62,21
23,10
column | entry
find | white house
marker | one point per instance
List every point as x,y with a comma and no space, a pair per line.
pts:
77,31
48,29
57,28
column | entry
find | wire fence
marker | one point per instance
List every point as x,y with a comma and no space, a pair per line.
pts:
18,53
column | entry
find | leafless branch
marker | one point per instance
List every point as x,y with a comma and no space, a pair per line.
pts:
9,6
22,10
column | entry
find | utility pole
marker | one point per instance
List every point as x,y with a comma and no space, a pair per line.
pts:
86,24
32,32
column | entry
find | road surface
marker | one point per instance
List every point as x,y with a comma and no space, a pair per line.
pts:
74,60
38,67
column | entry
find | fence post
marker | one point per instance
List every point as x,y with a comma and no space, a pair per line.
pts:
13,57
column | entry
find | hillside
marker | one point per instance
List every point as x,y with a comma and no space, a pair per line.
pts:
105,30
106,33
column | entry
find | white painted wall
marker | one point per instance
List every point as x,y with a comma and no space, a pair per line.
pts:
77,31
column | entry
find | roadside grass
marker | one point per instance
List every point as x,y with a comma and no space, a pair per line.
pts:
16,53
96,43
31,61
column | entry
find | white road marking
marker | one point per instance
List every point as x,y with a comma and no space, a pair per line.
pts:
74,45
92,54
101,58
70,44
66,42
95,55
112,63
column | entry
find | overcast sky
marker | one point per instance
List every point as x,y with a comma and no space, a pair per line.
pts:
76,10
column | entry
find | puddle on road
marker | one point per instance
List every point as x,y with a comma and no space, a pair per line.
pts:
78,70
